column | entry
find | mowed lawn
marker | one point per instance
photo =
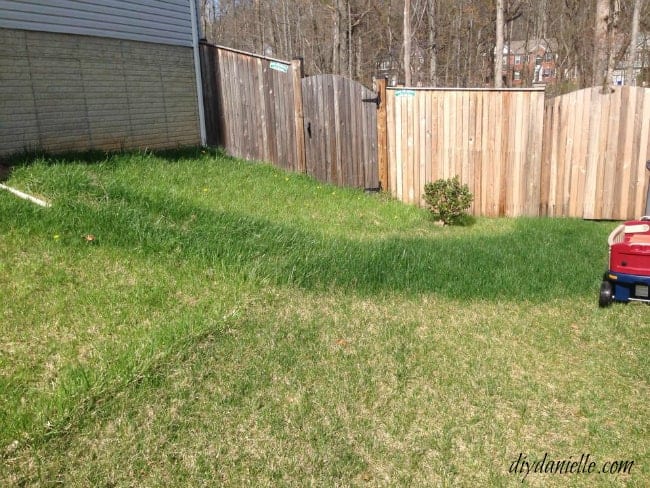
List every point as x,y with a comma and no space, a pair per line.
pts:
187,319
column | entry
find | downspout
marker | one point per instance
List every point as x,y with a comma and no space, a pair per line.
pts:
197,68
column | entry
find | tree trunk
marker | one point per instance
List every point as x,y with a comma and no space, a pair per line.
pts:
433,61
629,74
350,45
601,48
498,50
407,42
336,38
260,27
357,71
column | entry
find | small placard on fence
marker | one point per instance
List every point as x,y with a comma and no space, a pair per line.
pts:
284,68
405,93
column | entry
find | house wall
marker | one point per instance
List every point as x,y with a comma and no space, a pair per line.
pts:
161,22
530,72
111,81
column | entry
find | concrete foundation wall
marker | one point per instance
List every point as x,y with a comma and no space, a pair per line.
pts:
61,92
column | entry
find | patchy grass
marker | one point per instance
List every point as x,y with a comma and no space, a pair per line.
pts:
230,324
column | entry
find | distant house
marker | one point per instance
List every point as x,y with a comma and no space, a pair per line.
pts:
530,63
640,64
106,74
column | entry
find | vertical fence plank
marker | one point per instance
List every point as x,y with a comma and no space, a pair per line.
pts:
400,129
619,178
582,157
600,159
642,176
545,172
628,150
609,192
430,140
422,151
487,149
393,162
537,116
505,128
591,178
475,121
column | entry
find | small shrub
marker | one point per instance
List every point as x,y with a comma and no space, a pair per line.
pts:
448,200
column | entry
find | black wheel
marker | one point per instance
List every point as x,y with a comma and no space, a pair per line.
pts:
606,294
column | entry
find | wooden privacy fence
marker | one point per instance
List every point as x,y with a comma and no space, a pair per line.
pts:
264,109
251,106
579,155
491,139
340,123
595,148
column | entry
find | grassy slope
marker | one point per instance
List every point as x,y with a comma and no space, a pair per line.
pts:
231,323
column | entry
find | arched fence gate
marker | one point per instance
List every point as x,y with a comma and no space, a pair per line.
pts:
264,109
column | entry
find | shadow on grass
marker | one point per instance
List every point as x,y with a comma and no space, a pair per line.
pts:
93,156
539,259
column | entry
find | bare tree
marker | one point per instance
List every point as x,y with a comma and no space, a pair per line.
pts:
452,42
601,44
433,57
407,42
634,43
498,50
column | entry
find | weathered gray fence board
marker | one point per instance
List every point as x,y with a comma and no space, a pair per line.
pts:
341,131
249,105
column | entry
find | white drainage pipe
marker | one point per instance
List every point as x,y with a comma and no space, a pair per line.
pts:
25,196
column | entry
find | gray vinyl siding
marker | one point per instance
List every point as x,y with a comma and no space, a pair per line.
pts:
157,21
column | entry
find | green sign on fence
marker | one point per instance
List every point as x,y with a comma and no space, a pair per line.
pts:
405,93
279,66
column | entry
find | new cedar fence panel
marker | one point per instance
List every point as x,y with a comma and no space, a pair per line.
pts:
579,155
491,139
595,148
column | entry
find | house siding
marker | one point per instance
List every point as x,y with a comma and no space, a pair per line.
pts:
65,91
161,22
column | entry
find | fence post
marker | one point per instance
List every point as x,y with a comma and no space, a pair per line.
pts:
382,133
299,119
208,78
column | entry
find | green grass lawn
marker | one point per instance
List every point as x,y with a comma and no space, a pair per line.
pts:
187,319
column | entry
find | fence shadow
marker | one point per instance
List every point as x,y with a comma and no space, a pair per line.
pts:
531,262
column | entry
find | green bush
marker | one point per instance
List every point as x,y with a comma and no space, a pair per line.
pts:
448,200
